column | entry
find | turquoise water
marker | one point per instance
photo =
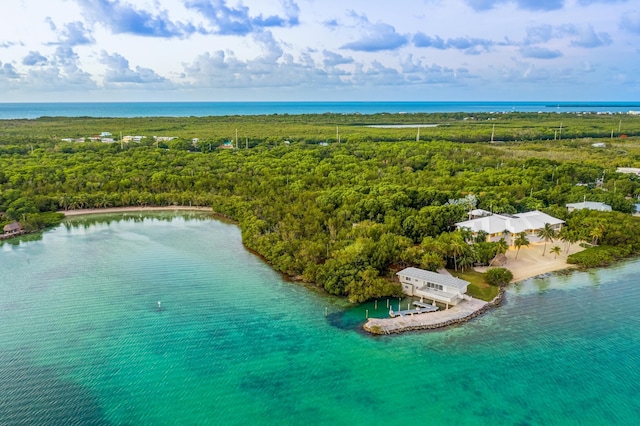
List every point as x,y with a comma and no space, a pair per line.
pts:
82,341
200,109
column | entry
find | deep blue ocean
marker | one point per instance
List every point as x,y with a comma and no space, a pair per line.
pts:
202,109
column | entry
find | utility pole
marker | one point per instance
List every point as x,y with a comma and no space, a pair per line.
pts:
236,138
560,134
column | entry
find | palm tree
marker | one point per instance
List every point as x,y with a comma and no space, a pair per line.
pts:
466,234
555,250
547,234
481,236
596,233
467,259
573,237
507,234
501,248
456,248
521,240
563,235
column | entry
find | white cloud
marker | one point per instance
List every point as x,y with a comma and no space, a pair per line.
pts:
118,72
184,49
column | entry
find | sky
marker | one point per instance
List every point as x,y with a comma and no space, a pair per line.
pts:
319,50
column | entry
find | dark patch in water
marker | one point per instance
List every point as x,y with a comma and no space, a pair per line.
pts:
343,321
35,395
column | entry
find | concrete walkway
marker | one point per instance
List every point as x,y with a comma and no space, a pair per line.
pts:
462,312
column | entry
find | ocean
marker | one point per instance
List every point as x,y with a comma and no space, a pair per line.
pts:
84,342
200,109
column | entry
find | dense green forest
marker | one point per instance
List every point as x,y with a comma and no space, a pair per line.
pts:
346,214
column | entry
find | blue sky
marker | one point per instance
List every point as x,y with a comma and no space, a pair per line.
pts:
319,50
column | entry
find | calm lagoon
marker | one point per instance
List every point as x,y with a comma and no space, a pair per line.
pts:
82,340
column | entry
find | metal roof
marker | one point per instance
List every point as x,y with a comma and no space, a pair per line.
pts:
434,277
591,205
513,223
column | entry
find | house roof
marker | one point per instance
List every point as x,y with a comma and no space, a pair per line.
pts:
515,224
479,213
15,226
490,224
434,277
536,219
590,205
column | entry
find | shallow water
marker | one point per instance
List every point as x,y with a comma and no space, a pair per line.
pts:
82,340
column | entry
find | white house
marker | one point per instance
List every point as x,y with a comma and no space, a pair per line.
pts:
130,138
589,205
629,170
432,286
495,225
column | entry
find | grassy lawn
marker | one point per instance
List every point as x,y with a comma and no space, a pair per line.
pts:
478,288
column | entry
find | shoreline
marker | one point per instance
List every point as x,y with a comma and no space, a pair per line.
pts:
529,264
80,212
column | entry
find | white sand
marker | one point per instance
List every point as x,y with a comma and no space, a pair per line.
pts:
531,262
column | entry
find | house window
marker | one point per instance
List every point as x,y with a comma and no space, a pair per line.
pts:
435,286
408,279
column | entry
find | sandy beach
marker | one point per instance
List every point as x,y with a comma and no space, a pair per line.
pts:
79,212
531,262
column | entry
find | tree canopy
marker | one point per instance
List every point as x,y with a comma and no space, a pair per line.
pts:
345,215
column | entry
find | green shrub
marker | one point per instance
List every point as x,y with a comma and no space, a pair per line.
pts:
598,256
498,276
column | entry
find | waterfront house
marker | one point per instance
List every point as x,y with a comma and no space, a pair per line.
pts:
12,229
433,286
495,225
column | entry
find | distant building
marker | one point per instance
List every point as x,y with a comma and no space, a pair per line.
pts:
105,135
164,138
599,145
629,170
130,138
589,205
226,145
432,285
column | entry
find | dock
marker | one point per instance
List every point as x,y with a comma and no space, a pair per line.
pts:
464,311
425,305
421,308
